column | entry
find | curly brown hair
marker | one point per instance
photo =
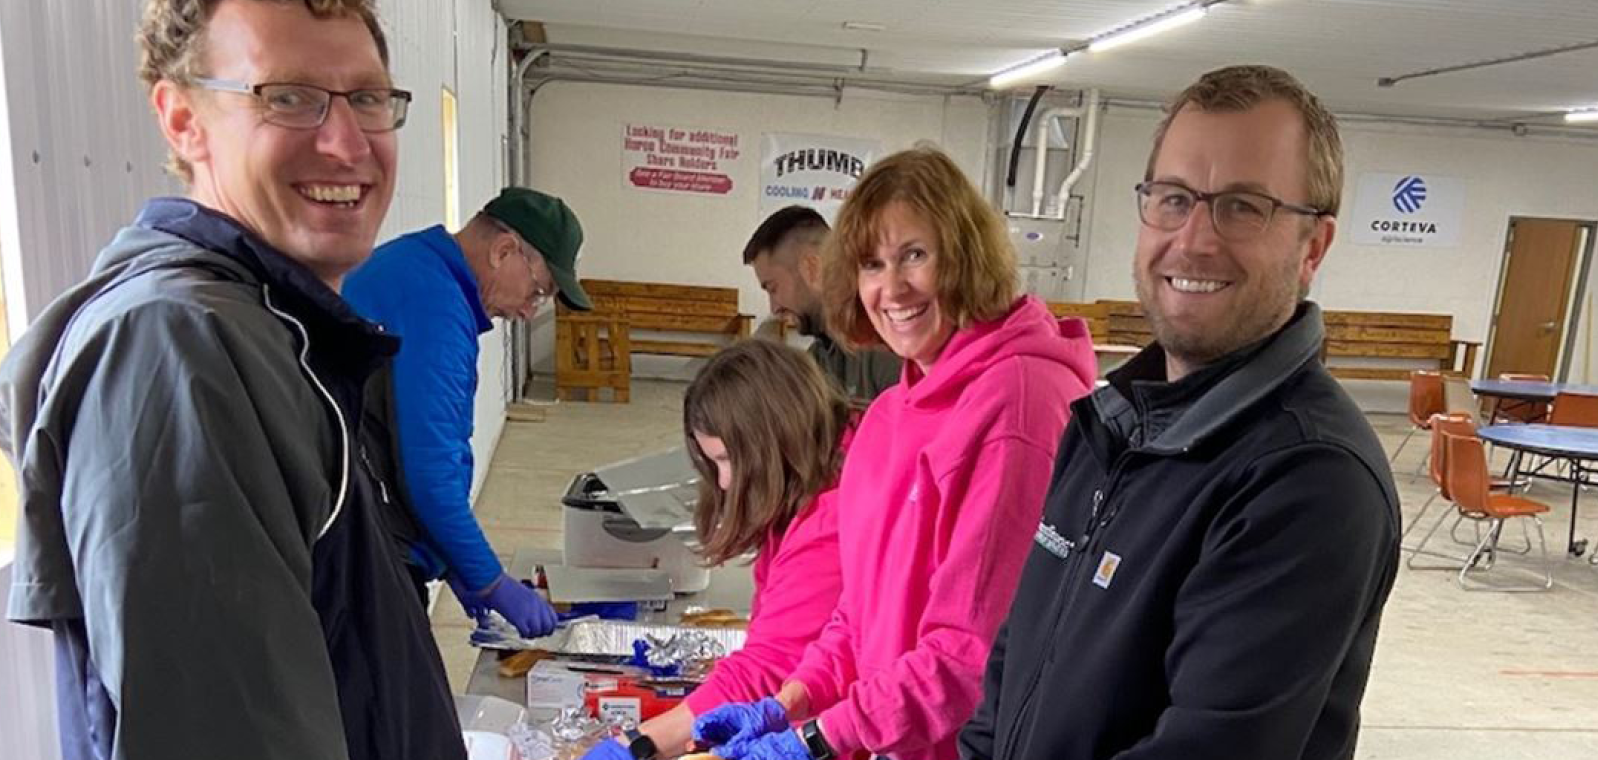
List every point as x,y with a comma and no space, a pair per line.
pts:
976,262
1240,88
171,41
782,421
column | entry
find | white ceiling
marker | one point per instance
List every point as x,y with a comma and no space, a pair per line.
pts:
1337,47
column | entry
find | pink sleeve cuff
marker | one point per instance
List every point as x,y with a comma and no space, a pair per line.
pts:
817,686
837,725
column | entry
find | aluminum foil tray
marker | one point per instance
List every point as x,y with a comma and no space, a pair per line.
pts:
614,638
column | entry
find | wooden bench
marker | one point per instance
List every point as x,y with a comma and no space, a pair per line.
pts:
631,318
1424,339
1418,338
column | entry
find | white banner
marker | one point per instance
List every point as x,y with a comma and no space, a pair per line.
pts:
1410,210
692,160
811,170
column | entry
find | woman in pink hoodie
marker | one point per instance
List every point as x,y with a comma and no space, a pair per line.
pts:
942,490
767,431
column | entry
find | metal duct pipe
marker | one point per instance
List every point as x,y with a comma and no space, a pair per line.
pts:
1089,139
1041,169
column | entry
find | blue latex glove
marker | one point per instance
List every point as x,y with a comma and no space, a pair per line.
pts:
781,745
522,606
609,749
731,728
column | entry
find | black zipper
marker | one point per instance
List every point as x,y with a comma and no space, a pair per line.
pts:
1079,548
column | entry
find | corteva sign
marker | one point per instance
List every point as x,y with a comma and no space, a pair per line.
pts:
1415,210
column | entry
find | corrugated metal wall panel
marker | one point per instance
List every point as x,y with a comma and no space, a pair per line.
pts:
459,44
85,151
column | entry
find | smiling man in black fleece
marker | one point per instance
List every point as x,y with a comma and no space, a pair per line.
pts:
1221,531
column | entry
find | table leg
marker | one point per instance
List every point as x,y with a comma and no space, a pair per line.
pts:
1572,546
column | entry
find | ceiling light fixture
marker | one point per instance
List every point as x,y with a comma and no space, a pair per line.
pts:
1148,28
865,26
1582,115
1047,62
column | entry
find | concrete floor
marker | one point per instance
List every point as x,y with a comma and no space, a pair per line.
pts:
1458,675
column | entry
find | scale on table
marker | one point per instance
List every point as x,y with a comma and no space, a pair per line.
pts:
636,513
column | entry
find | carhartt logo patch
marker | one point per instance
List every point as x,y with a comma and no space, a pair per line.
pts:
1050,539
1106,572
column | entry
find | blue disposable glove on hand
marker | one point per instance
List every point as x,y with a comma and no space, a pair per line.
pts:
731,728
609,749
781,745
522,606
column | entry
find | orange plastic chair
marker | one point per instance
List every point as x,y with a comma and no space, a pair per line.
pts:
1509,410
1443,425
1575,409
1425,400
1465,472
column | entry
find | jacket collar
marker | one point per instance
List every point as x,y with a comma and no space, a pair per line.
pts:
292,286
442,244
1170,418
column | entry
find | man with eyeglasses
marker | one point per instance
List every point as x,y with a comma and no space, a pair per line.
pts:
437,292
1221,532
198,530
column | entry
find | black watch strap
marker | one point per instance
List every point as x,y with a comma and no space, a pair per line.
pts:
815,742
640,745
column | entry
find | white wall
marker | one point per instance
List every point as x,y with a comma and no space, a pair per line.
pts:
1504,176
642,235
459,44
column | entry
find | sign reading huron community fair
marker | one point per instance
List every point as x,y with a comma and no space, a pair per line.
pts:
680,159
1413,210
811,170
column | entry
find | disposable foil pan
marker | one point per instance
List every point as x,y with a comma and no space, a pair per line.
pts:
615,638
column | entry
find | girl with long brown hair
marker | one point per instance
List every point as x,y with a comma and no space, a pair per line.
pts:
767,431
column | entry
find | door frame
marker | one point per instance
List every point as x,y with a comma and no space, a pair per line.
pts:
1573,312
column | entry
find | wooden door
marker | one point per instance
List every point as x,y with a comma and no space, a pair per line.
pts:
1539,274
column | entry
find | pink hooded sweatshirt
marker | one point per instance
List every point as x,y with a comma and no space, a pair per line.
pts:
797,580
938,502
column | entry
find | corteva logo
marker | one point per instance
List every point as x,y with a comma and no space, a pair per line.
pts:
1409,194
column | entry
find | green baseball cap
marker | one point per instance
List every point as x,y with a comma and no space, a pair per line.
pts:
549,225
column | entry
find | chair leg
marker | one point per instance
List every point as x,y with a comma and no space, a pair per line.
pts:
1475,554
1453,532
1548,567
1418,515
1420,549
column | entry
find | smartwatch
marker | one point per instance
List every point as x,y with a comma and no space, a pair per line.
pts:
815,742
639,745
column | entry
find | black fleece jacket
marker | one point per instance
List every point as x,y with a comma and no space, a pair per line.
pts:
1209,573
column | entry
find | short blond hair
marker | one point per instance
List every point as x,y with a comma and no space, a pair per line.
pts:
171,41
976,262
1240,88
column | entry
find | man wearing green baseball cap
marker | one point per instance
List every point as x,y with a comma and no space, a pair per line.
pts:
438,292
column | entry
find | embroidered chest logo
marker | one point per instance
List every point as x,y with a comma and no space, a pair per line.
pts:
1050,539
1107,567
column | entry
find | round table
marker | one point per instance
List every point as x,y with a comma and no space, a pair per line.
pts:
1576,445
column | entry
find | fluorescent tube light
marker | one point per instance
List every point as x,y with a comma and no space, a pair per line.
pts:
1149,29
1584,115
1053,60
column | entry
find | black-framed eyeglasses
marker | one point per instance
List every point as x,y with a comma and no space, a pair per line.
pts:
305,106
1238,215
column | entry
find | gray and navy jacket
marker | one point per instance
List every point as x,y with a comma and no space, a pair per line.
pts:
1209,573
197,527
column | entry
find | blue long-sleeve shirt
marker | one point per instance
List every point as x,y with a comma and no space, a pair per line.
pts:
419,287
